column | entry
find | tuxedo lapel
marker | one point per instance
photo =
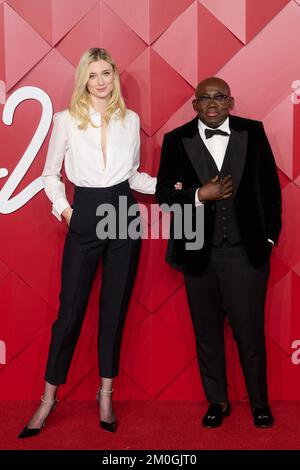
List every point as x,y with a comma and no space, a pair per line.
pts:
194,148
237,146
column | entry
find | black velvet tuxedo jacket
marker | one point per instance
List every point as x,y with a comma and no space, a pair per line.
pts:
257,194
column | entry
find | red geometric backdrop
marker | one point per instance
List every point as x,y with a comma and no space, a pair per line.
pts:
163,48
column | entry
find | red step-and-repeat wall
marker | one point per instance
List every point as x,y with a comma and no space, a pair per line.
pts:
163,49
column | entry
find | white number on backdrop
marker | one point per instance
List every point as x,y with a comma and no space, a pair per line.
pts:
8,205
296,354
2,352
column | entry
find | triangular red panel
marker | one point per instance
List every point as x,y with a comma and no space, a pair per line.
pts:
259,13
279,125
17,33
148,18
38,14
205,56
231,13
101,23
278,268
136,13
289,247
169,334
164,280
186,385
283,375
163,14
4,270
21,324
216,44
283,297
148,78
134,46
184,27
66,14
84,35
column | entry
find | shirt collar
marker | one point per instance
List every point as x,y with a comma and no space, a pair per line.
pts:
95,117
224,127
94,114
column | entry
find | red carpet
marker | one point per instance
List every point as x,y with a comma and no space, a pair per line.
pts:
150,425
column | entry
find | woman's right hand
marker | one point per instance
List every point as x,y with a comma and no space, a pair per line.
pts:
67,214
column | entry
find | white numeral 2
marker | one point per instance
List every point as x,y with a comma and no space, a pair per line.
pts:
8,205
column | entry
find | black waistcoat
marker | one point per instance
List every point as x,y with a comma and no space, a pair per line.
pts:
226,225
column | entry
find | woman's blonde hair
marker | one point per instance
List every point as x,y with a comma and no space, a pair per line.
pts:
81,98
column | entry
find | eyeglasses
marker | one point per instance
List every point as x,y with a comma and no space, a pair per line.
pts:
205,99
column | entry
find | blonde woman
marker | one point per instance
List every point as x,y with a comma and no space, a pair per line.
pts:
98,140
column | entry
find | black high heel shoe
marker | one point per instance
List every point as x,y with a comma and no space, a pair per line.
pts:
110,427
31,432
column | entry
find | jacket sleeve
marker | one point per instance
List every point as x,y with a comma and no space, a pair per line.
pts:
169,174
269,188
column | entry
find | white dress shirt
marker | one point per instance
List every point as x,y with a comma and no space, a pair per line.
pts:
81,152
217,146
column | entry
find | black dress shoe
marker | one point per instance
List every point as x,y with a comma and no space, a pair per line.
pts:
110,427
262,417
215,414
31,432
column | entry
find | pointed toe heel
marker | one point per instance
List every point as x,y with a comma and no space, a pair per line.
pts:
31,432
110,427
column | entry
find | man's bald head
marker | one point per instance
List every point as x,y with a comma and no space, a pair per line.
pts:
213,82
213,101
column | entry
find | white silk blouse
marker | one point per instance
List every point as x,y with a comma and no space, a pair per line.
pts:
81,153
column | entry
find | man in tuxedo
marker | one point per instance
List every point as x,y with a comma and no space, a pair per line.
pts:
225,162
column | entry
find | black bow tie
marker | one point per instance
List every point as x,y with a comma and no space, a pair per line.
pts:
211,132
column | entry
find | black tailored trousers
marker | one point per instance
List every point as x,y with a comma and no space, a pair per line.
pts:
230,286
82,252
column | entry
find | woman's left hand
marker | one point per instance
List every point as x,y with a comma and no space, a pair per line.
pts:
178,185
